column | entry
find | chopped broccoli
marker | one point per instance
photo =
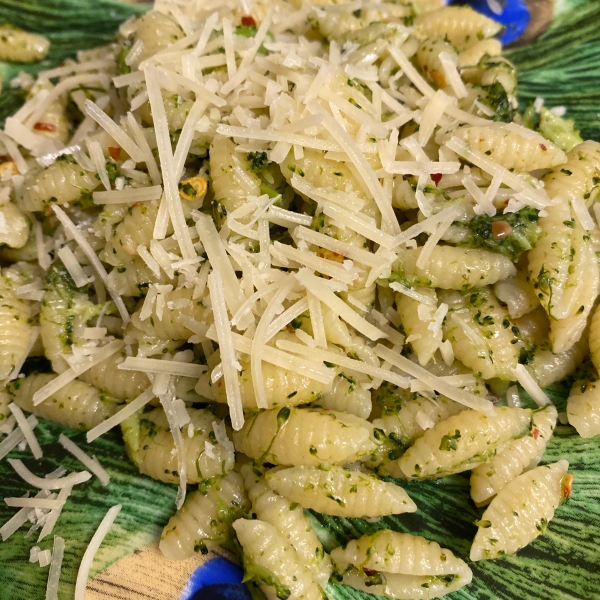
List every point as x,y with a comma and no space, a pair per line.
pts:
246,30
497,99
558,130
258,161
554,128
514,234
253,572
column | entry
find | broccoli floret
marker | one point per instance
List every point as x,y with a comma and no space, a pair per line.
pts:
558,130
497,99
60,280
554,128
258,161
247,31
509,234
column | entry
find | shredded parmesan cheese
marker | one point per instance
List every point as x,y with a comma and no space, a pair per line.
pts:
224,336
47,484
90,462
435,383
90,552
530,385
27,430
120,416
55,568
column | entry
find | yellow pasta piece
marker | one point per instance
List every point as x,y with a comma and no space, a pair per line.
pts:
512,150
461,26
583,408
304,436
460,443
453,268
518,456
521,511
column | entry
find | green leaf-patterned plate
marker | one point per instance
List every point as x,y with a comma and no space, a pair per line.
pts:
563,66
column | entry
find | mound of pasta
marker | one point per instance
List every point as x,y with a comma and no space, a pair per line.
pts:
302,255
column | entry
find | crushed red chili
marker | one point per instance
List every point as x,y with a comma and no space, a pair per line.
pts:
248,21
45,127
115,153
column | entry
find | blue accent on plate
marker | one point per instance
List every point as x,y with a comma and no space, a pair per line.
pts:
216,579
514,15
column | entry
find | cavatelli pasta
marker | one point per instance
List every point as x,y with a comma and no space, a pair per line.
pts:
583,408
151,447
76,405
52,123
512,150
15,327
561,254
418,321
521,511
156,32
460,443
291,522
21,46
283,387
565,333
347,395
64,313
204,521
473,55
518,456
304,436
136,229
400,565
108,378
483,336
166,324
428,59
63,182
337,491
134,278
547,367
402,411
577,177
453,268
14,226
518,294
231,177
461,26
5,413
595,338
273,563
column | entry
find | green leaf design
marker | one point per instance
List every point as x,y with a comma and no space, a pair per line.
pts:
561,564
70,25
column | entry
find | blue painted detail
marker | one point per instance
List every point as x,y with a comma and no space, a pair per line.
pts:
217,579
515,16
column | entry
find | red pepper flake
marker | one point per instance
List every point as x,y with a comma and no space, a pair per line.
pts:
567,485
543,147
436,177
370,572
535,433
45,127
4,158
115,153
500,229
248,21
